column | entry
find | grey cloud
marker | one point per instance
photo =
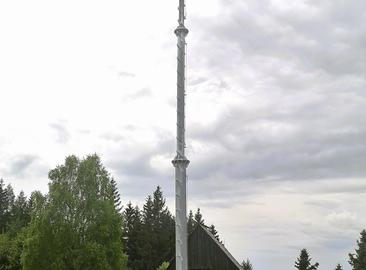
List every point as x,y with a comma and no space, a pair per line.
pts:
132,166
63,135
20,164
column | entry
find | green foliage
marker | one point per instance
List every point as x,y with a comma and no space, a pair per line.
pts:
149,235
304,261
11,248
358,260
132,236
77,226
247,265
116,196
6,205
163,266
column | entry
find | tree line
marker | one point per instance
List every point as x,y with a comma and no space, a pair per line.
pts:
81,224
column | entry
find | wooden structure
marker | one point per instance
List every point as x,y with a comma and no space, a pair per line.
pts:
205,252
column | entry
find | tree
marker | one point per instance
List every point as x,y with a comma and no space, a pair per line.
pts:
190,222
20,214
132,236
214,232
14,216
78,226
304,261
358,260
247,265
198,217
158,231
338,267
6,204
116,196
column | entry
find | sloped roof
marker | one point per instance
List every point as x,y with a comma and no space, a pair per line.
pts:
192,246
221,246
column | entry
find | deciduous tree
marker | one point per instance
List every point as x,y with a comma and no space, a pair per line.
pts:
78,227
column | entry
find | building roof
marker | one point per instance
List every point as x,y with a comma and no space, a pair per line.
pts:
205,252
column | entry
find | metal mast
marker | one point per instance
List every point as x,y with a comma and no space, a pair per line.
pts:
180,161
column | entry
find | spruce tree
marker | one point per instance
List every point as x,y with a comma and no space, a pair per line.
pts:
190,222
358,260
132,236
198,217
3,206
214,232
6,205
116,196
247,265
304,261
158,231
20,214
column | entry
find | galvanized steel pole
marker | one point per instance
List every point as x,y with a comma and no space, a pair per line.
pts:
180,161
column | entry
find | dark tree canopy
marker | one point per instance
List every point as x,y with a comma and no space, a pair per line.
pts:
304,261
358,259
198,217
247,265
190,222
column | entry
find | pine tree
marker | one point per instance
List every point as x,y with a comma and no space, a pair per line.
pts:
247,265
190,222
304,261
358,260
198,217
338,267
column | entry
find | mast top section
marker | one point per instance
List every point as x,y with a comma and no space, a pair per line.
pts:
182,12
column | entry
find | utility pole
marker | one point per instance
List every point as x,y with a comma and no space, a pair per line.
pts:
180,161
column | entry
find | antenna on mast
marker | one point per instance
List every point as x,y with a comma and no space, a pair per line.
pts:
180,161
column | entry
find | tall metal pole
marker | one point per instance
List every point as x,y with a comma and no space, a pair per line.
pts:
180,161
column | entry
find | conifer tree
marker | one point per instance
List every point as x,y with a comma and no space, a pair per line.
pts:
198,217
158,231
304,261
116,196
358,260
190,222
214,232
132,236
3,206
6,205
247,265
20,213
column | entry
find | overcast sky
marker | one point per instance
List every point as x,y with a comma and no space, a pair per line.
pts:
276,121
